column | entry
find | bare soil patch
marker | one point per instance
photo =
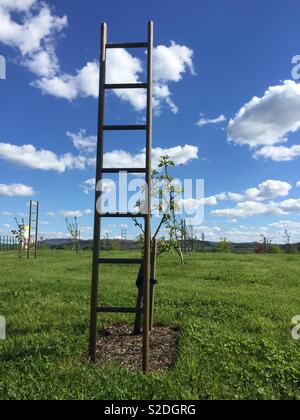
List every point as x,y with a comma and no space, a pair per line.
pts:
117,343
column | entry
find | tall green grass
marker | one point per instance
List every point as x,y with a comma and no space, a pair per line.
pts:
235,314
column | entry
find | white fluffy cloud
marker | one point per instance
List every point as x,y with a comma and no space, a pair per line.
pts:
16,190
229,196
298,184
170,63
32,32
191,205
89,185
267,190
161,94
75,213
45,160
291,206
84,83
181,155
32,27
206,121
250,202
250,208
278,153
282,224
254,208
16,5
113,159
43,63
50,214
292,226
82,142
122,67
264,123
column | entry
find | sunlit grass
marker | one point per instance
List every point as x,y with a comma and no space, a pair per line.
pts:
235,312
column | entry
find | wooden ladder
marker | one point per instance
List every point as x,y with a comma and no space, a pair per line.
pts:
33,228
145,310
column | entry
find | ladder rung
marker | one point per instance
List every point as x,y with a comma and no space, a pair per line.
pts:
128,170
128,45
124,127
120,261
122,215
105,309
126,86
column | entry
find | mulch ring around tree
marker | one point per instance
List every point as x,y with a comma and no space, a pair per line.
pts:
117,343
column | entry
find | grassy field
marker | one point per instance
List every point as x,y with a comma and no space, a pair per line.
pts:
235,312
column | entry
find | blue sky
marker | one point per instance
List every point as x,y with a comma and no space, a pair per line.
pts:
226,65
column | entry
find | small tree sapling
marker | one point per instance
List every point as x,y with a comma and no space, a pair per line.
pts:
19,234
165,191
74,231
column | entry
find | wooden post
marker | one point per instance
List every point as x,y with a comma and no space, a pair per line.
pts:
36,229
29,232
139,302
153,275
140,296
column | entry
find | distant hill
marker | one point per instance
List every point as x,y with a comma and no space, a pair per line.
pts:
198,246
109,244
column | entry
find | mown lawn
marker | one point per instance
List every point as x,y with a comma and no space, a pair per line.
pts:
235,312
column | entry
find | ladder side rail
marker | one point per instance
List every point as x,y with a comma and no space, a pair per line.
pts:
147,252
97,219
